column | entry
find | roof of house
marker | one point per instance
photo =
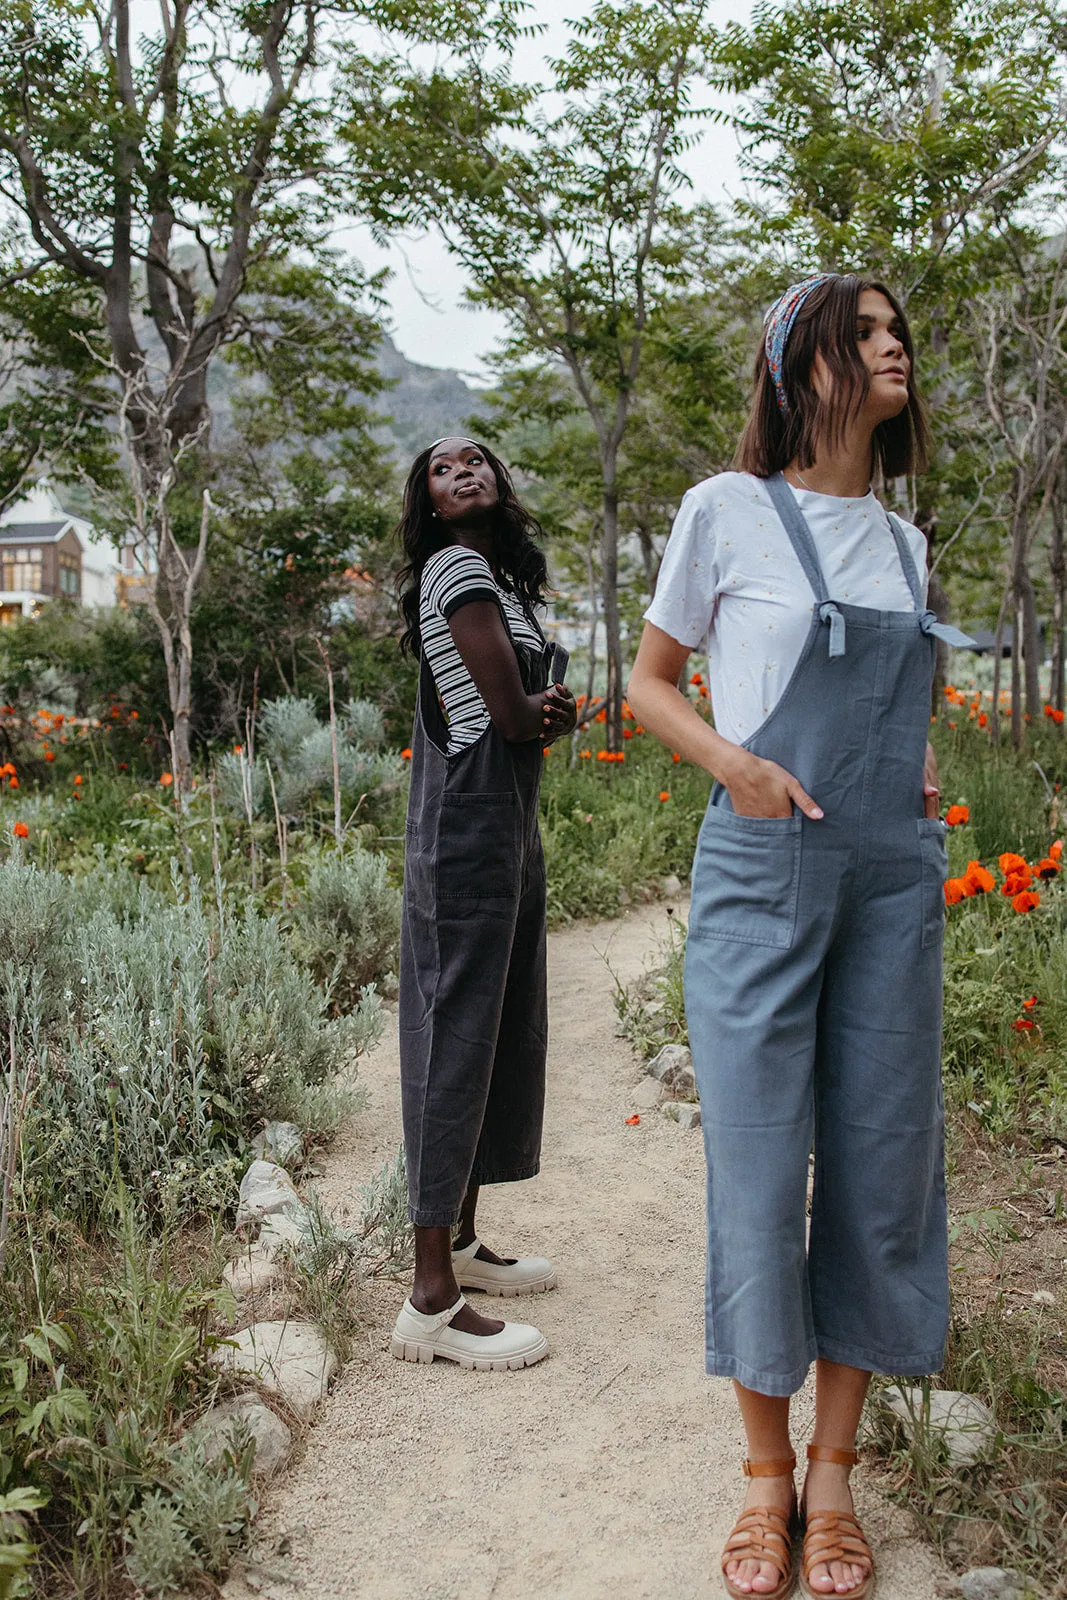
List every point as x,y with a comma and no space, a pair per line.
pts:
33,532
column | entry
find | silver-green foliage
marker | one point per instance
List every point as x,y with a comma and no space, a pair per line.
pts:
299,749
192,1526
347,923
158,1037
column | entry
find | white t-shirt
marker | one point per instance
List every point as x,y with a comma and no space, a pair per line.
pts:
731,578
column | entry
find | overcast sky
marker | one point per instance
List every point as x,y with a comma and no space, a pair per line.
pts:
430,322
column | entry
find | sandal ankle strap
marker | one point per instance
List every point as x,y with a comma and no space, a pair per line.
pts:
826,1452
769,1469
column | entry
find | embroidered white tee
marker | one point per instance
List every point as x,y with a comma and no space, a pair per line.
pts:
731,582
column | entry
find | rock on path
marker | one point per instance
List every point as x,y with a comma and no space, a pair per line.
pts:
611,1471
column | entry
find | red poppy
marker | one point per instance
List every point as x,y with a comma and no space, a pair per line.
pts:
405,755
979,876
1028,1005
1016,882
1026,901
1022,1024
956,816
665,794
1053,714
696,679
50,755
982,719
627,733
21,831
675,757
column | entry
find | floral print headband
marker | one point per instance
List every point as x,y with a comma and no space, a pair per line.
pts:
778,325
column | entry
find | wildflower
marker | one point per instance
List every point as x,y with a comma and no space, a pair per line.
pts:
703,692
627,733
696,680
13,782
1022,1024
1016,882
956,816
238,749
632,1122
1047,868
77,780
546,750
1053,714
1056,850
166,779
952,725
133,716
639,728
954,891
983,720
627,714
1025,901
405,755
664,794
7,770
21,831
124,766
50,755
979,876
675,757
1011,863
601,716
1028,1005
585,755
603,755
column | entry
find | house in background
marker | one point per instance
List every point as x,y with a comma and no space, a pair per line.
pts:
45,554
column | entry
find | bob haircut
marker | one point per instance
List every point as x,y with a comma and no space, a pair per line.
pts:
827,325
518,559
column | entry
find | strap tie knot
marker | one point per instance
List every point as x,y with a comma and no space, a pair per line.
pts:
930,625
828,612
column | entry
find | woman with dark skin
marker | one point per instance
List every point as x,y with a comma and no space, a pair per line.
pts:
473,1017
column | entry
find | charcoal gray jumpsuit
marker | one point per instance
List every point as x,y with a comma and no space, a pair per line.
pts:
813,993
473,987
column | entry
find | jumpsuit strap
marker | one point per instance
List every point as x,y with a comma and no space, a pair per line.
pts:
800,538
928,620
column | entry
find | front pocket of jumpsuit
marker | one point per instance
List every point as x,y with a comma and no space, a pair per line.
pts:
478,854
933,853
746,879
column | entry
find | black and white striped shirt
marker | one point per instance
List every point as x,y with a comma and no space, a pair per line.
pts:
451,578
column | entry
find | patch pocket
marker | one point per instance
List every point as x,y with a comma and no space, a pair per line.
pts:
933,853
746,879
478,855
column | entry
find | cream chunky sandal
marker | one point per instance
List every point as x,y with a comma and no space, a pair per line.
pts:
422,1336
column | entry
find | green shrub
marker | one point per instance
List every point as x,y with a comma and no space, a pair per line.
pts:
346,927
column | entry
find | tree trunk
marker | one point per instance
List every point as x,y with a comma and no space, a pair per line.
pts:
609,588
1058,574
1031,646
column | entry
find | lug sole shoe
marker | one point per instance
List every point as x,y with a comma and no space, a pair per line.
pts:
529,1275
422,1337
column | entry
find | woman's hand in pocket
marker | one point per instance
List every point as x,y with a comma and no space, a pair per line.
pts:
931,785
759,788
559,713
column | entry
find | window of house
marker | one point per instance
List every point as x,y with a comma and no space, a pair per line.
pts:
70,578
21,568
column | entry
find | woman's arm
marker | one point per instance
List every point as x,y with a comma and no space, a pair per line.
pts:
488,655
757,788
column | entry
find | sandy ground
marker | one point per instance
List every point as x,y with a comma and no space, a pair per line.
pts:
610,1471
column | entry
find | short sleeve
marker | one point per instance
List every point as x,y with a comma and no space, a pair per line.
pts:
455,576
688,582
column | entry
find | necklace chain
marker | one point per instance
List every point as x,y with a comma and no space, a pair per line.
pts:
805,484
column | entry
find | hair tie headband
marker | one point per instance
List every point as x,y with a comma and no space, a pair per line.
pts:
444,436
778,325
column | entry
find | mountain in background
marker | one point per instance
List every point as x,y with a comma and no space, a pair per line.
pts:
426,403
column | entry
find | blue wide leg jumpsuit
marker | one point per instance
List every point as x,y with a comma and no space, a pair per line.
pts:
813,993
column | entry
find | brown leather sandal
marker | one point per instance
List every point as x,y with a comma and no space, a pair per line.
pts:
763,1533
834,1536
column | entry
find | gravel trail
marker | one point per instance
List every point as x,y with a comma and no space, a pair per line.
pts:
610,1471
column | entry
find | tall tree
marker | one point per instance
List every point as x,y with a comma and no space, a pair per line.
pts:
561,203
153,182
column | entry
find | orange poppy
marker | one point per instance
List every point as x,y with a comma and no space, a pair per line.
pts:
632,1122
956,816
601,716
586,755
954,891
1016,882
627,733
696,679
405,755
1055,850
1053,714
982,719
166,779
1026,901
675,757
50,755
665,794
979,876
1028,1005
1047,868
238,749
1022,1024
21,831
1009,862
14,782
77,779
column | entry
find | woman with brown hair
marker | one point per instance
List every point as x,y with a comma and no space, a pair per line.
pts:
813,960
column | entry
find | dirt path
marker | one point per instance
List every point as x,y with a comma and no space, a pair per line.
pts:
611,1471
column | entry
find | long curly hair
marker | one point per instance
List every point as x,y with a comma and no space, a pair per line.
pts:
517,558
